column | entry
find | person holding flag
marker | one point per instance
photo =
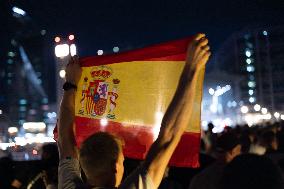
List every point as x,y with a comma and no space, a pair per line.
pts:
100,156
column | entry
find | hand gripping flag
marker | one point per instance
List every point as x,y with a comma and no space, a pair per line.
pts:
128,93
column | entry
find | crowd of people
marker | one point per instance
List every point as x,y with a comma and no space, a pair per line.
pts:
240,157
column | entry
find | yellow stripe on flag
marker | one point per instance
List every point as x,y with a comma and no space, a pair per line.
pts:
143,93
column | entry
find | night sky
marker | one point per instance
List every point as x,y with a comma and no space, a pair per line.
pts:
131,24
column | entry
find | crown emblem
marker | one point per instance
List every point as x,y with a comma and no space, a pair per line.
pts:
116,81
101,72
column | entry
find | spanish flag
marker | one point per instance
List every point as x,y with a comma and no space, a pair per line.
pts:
128,93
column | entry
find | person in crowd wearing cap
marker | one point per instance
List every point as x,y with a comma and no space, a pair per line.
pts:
227,148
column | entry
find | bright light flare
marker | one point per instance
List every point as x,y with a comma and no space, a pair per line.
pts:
61,50
248,53
34,126
248,61
244,109
257,107
12,130
19,11
51,115
57,39
265,33
104,122
100,52
158,120
211,91
73,49
62,73
115,49
71,37
276,115
21,141
264,110
35,152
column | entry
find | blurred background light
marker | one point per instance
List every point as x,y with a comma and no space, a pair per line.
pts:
264,33
244,109
100,52
71,37
62,73
248,53
12,130
115,49
73,50
34,125
104,122
257,107
19,11
61,50
276,115
264,110
211,91
57,39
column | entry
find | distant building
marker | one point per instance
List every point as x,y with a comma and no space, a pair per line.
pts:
256,57
27,80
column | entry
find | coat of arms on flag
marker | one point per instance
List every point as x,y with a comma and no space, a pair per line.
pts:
128,93
99,93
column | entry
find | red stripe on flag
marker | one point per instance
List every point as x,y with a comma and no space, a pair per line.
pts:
138,139
169,51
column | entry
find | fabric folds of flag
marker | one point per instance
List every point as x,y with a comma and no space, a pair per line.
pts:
128,93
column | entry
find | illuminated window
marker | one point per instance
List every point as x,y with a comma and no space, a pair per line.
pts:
248,60
264,33
250,92
252,99
248,53
251,84
22,101
250,68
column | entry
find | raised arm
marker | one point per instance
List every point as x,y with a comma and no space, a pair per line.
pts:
178,114
66,138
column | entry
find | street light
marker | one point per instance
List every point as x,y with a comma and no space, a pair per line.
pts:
57,39
65,48
61,50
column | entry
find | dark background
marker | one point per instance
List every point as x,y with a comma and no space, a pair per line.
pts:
131,24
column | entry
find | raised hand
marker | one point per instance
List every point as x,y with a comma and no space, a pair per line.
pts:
73,70
198,52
